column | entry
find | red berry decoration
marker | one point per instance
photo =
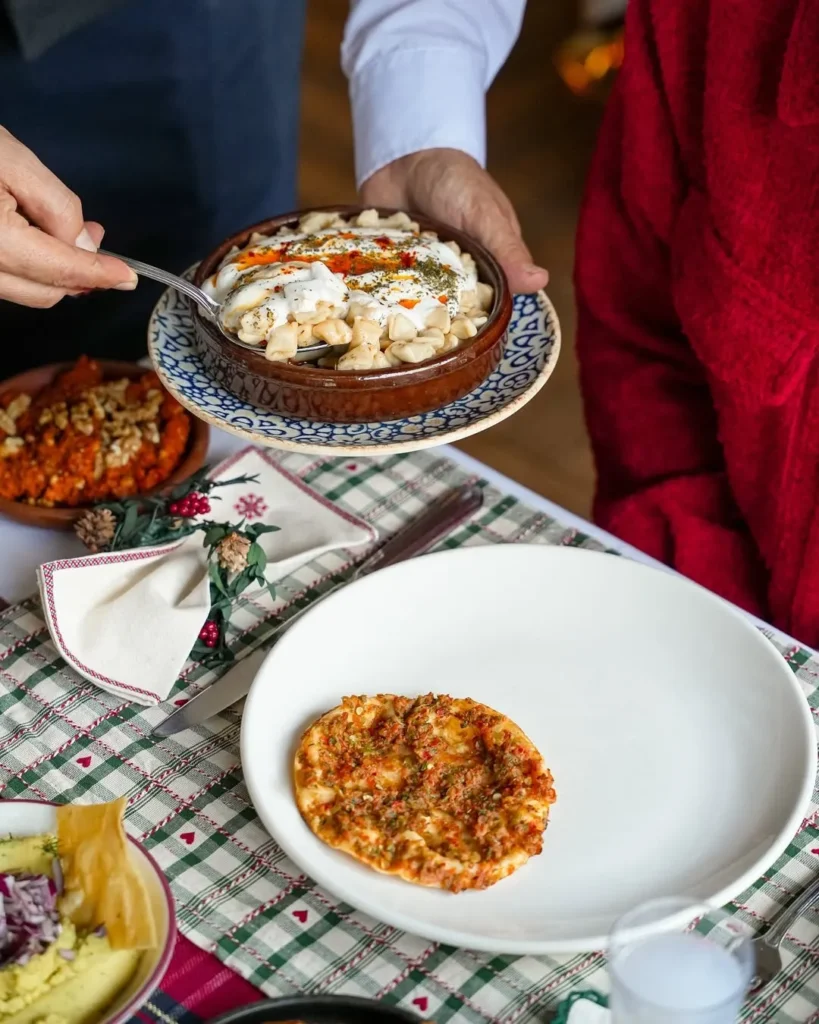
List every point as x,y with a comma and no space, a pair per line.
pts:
209,634
193,504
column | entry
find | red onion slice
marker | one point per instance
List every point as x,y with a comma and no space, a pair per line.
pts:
29,921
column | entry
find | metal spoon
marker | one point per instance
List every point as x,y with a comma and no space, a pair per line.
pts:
211,308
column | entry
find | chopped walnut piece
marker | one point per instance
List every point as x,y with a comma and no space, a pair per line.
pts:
60,415
17,406
151,433
10,446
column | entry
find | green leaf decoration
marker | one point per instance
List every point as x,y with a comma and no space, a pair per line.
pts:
214,534
259,528
132,517
216,578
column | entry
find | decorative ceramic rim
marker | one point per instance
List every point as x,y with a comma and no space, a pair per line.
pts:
388,448
151,984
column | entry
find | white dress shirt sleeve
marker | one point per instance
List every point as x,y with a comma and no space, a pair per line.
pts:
419,71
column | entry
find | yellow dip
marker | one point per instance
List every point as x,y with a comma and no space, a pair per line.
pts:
51,989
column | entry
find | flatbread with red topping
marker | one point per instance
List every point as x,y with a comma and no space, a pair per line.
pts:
441,791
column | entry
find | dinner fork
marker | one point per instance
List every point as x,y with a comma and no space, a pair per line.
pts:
767,954
210,308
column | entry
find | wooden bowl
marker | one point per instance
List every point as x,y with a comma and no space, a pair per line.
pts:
35,380
373,395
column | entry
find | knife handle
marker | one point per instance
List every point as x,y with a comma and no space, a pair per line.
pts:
421,533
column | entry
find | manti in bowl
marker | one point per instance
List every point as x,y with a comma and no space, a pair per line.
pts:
349,396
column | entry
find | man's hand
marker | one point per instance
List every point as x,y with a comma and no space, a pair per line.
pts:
46,249
449,185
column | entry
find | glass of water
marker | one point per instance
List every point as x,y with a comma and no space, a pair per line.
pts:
661,975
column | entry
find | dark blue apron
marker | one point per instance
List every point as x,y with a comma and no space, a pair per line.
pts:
176,122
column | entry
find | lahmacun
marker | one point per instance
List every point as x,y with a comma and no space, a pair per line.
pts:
441,791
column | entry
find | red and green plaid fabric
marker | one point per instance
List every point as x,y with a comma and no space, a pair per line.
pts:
237,895
195,989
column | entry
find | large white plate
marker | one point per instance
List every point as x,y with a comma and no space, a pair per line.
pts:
682,748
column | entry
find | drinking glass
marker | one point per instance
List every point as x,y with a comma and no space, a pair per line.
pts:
666,975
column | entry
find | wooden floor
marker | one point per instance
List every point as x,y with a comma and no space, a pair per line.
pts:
540,140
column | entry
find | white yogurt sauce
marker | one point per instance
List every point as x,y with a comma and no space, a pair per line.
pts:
384,271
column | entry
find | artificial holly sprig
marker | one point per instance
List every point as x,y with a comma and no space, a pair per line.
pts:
235,561
159,519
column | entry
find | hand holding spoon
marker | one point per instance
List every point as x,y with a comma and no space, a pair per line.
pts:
211,309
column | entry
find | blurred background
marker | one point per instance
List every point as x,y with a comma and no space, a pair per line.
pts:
543,113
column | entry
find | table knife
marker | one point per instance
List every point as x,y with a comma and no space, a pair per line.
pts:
418,535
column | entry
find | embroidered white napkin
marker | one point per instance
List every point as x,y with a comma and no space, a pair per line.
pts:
127,621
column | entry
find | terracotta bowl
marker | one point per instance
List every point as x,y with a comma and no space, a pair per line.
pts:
33,381
371,396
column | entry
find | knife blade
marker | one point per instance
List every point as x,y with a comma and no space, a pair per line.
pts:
418,535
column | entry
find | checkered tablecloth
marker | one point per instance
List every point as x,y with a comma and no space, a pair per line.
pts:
237,895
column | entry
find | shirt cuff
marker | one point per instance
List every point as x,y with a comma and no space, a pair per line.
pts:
414,99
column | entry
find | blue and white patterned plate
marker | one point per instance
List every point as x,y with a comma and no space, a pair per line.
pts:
531,353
